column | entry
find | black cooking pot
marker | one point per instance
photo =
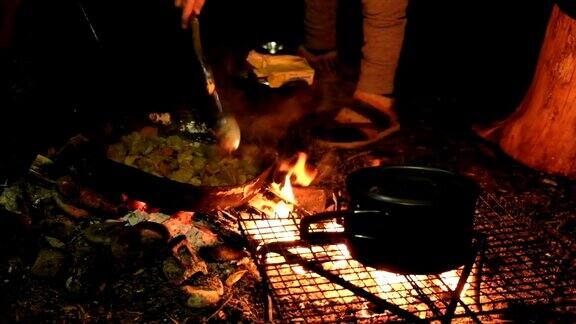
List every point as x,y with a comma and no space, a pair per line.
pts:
404,219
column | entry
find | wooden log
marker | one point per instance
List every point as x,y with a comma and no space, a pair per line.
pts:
310,198
541,133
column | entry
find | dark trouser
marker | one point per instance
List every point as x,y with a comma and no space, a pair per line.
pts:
384,23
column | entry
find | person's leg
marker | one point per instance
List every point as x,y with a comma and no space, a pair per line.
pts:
320,24
319,31
384,25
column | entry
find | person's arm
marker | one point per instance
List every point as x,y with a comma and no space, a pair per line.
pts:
189,8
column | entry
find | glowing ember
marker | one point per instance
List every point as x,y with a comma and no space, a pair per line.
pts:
376,162
134,205
185,217
138,205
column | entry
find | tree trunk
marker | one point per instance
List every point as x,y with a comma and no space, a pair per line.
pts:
541,133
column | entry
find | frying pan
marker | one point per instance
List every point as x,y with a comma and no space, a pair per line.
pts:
89,164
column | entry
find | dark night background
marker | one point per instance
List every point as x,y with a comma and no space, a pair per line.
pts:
467,61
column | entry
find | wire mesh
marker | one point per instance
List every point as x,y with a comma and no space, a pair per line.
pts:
518,264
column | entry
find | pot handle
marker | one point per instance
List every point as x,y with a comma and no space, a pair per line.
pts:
321,237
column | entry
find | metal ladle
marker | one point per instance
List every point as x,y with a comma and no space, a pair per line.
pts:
227,129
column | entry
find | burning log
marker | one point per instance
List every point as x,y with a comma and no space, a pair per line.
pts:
69,209
138,243
86,197
311,199
541,132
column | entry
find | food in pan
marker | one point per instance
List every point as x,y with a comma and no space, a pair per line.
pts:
184,161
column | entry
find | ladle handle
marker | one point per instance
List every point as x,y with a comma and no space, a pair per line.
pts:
321,237
206,69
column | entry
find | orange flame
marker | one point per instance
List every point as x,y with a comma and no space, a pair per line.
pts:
299,174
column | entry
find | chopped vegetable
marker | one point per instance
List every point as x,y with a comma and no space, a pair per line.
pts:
181,160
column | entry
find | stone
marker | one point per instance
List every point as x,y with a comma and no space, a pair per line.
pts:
173,271
102,233
221,253
184,264
201,298
48,263
59,227
235,277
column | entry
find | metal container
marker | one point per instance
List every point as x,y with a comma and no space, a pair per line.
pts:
404,219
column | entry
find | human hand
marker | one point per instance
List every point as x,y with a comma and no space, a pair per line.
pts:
189,8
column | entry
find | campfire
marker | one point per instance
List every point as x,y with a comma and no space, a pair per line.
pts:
281,186
279,222
323,283
285,277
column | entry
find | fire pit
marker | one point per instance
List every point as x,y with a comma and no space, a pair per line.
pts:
515,263
64,261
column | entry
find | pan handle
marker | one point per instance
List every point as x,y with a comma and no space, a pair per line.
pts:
321,237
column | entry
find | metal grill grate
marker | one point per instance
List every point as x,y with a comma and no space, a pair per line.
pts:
312,283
